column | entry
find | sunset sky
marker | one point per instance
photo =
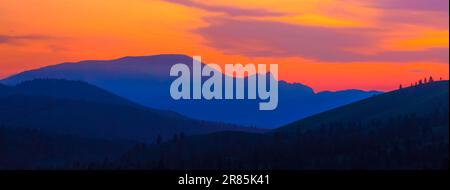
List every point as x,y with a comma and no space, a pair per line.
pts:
325,44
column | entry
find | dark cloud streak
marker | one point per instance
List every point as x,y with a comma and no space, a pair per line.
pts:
273,39
413,5
9,39
232,11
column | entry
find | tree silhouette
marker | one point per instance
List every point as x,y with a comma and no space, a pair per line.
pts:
182,135
158,140
175,137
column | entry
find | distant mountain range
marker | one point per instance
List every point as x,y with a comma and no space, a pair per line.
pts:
403,129
59,106
146,81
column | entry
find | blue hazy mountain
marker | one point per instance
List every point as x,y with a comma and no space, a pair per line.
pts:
64,89
398,130
77,108
146,81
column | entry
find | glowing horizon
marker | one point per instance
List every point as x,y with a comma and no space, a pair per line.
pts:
325,44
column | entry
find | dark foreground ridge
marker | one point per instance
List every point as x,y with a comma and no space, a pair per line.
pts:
403,129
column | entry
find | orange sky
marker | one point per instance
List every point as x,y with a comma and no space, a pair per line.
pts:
326,44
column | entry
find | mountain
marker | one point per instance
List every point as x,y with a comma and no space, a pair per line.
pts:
146,81
417,100
78,108
403,129
65,89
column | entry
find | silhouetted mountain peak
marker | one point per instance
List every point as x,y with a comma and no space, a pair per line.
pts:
65,89
298,87
146,81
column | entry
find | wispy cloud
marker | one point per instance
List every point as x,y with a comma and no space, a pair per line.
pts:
273,39
232,11
14,39
414,5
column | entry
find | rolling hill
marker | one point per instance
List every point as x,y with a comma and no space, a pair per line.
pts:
417,100
64,89
403,129
77,108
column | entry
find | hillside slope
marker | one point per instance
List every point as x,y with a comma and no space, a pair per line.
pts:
403,129
64,89
417,100
77,108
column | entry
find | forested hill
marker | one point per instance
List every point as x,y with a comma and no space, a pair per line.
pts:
403,129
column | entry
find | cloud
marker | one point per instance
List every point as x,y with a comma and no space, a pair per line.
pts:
231,11
426,19
266,34
274,39
413,5
265,38
11,39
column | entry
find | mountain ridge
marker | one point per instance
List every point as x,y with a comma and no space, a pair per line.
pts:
386,100
146,81
401,138
96,116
